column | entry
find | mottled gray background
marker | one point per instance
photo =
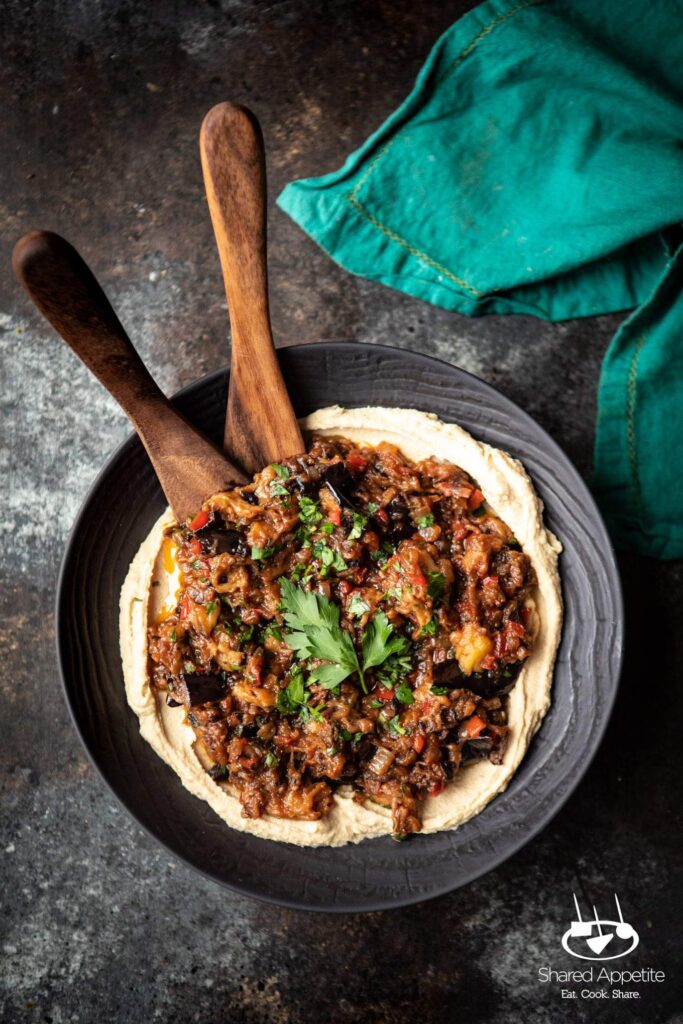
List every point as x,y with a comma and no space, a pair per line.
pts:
101,104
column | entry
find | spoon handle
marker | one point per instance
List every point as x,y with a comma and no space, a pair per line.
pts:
261,426
189,467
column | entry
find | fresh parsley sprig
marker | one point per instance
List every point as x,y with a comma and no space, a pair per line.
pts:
315,632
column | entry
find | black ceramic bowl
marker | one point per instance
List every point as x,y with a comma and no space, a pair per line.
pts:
378,873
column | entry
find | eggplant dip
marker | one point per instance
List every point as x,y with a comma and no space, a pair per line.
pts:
359,642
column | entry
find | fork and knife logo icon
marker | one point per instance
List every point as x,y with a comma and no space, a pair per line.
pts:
590,939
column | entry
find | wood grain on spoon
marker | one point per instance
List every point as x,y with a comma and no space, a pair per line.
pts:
260,426
189,467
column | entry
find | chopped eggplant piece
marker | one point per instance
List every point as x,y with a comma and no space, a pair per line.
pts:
198,689
341,483
218,772
476,750
171,702
400,525
488,684
446,672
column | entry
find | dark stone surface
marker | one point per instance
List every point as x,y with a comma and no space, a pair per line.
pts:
98,135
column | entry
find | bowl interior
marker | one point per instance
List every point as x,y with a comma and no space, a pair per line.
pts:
119,512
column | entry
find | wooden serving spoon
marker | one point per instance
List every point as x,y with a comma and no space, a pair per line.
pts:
189,467
260,425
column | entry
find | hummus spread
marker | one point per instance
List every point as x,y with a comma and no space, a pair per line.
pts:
509,492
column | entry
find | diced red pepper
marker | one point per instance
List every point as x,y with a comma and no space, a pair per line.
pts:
383,516
462,532
185,606
356,463
417,579
334,515
250,616
474,726
437,788
516,628
419,743
475,499
371,540
344,587
195,547
199,521
384,694
488,663
255,667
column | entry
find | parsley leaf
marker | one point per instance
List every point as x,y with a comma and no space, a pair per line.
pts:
314,632
293,696
425,521
394,670
380,641
429,628
440,691
282,471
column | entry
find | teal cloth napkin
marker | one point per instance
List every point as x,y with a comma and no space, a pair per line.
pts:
537,167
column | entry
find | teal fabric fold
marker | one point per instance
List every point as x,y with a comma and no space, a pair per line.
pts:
537,167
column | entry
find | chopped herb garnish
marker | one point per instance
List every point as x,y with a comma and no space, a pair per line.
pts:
246,634
282,471
440,691
394,670
328,556
309,512
278,489
174,636
436,586
327,527
359,523
404,694
478,511
272,630
271,759
261,554
357,606
425,521
189,667
210,607
376,703
395,728
429,628
372,507
196,565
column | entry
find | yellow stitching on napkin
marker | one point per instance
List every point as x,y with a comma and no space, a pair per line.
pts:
352,196
631,426
411,248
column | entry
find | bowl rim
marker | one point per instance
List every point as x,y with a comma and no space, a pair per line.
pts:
495,861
